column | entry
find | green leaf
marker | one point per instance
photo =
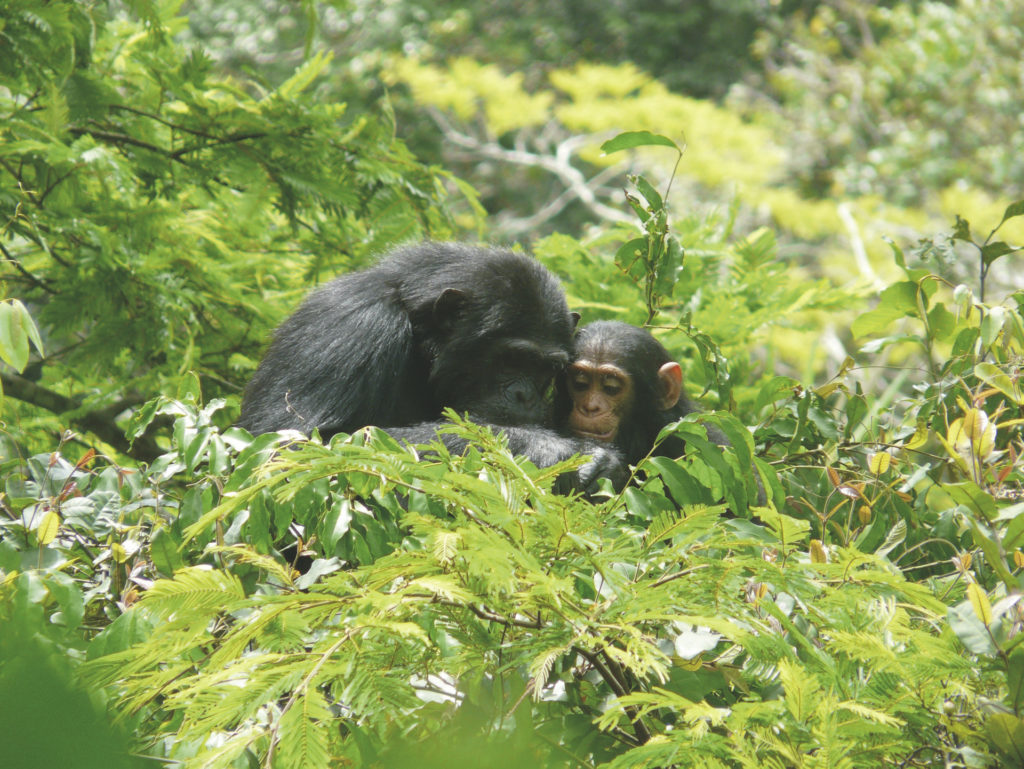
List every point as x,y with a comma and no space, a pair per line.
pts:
647,190
305,74
304,741
941,322
632,139
632,258
969,629
1015,678
683,488
165,554
14,335
995,377
1012,210
992,324
962,229
789,531
896,301
980,603
993,251
196,448
893,539
973,498
130,628
1006,732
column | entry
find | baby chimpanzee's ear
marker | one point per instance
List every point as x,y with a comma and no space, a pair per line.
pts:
670,383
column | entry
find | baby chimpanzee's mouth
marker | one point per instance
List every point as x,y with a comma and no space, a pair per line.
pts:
604,437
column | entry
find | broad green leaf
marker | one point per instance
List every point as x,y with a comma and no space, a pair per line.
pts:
48,527
1015,677
992,324
995,377
980,603
969,629
993,251
13,336
165,553
632,139
196,448
896,301
974,498
681,485
647,190
941,322
1012,210
789,531
1006,731
130,628
879,462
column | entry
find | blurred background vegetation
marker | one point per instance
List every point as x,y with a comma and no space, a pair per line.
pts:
838,125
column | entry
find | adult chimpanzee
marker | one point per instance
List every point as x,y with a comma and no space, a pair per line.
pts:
434,325
623,388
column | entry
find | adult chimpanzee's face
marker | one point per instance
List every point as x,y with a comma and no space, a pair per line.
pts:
516,382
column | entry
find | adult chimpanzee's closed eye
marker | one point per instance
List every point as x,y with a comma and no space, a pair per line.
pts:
481,330
623,388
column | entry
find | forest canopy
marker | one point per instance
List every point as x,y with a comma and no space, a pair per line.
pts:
816,207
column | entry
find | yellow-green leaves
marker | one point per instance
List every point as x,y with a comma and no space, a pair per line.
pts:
972,436
980,603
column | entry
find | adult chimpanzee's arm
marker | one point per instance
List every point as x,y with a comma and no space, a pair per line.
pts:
541,446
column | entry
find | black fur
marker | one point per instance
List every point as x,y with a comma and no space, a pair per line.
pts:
481,330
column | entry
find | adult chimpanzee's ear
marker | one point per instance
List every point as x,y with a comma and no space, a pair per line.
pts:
575,319
447,307
670,384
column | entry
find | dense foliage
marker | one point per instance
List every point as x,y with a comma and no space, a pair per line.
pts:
174,590
154,211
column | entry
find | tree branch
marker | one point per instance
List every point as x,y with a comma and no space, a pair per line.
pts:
37,282
560,164
619,688
100,423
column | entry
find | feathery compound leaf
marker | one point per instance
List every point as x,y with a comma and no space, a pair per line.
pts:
194,588
446,545
303,738
442,586
305,74
540,669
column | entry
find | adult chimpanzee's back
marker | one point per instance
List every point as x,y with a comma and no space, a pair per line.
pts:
481,330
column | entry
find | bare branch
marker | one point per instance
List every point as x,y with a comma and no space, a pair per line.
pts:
578,187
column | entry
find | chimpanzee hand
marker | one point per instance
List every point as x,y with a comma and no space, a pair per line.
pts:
605,462
544,448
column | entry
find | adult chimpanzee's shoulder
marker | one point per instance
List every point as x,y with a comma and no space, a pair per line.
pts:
424,267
